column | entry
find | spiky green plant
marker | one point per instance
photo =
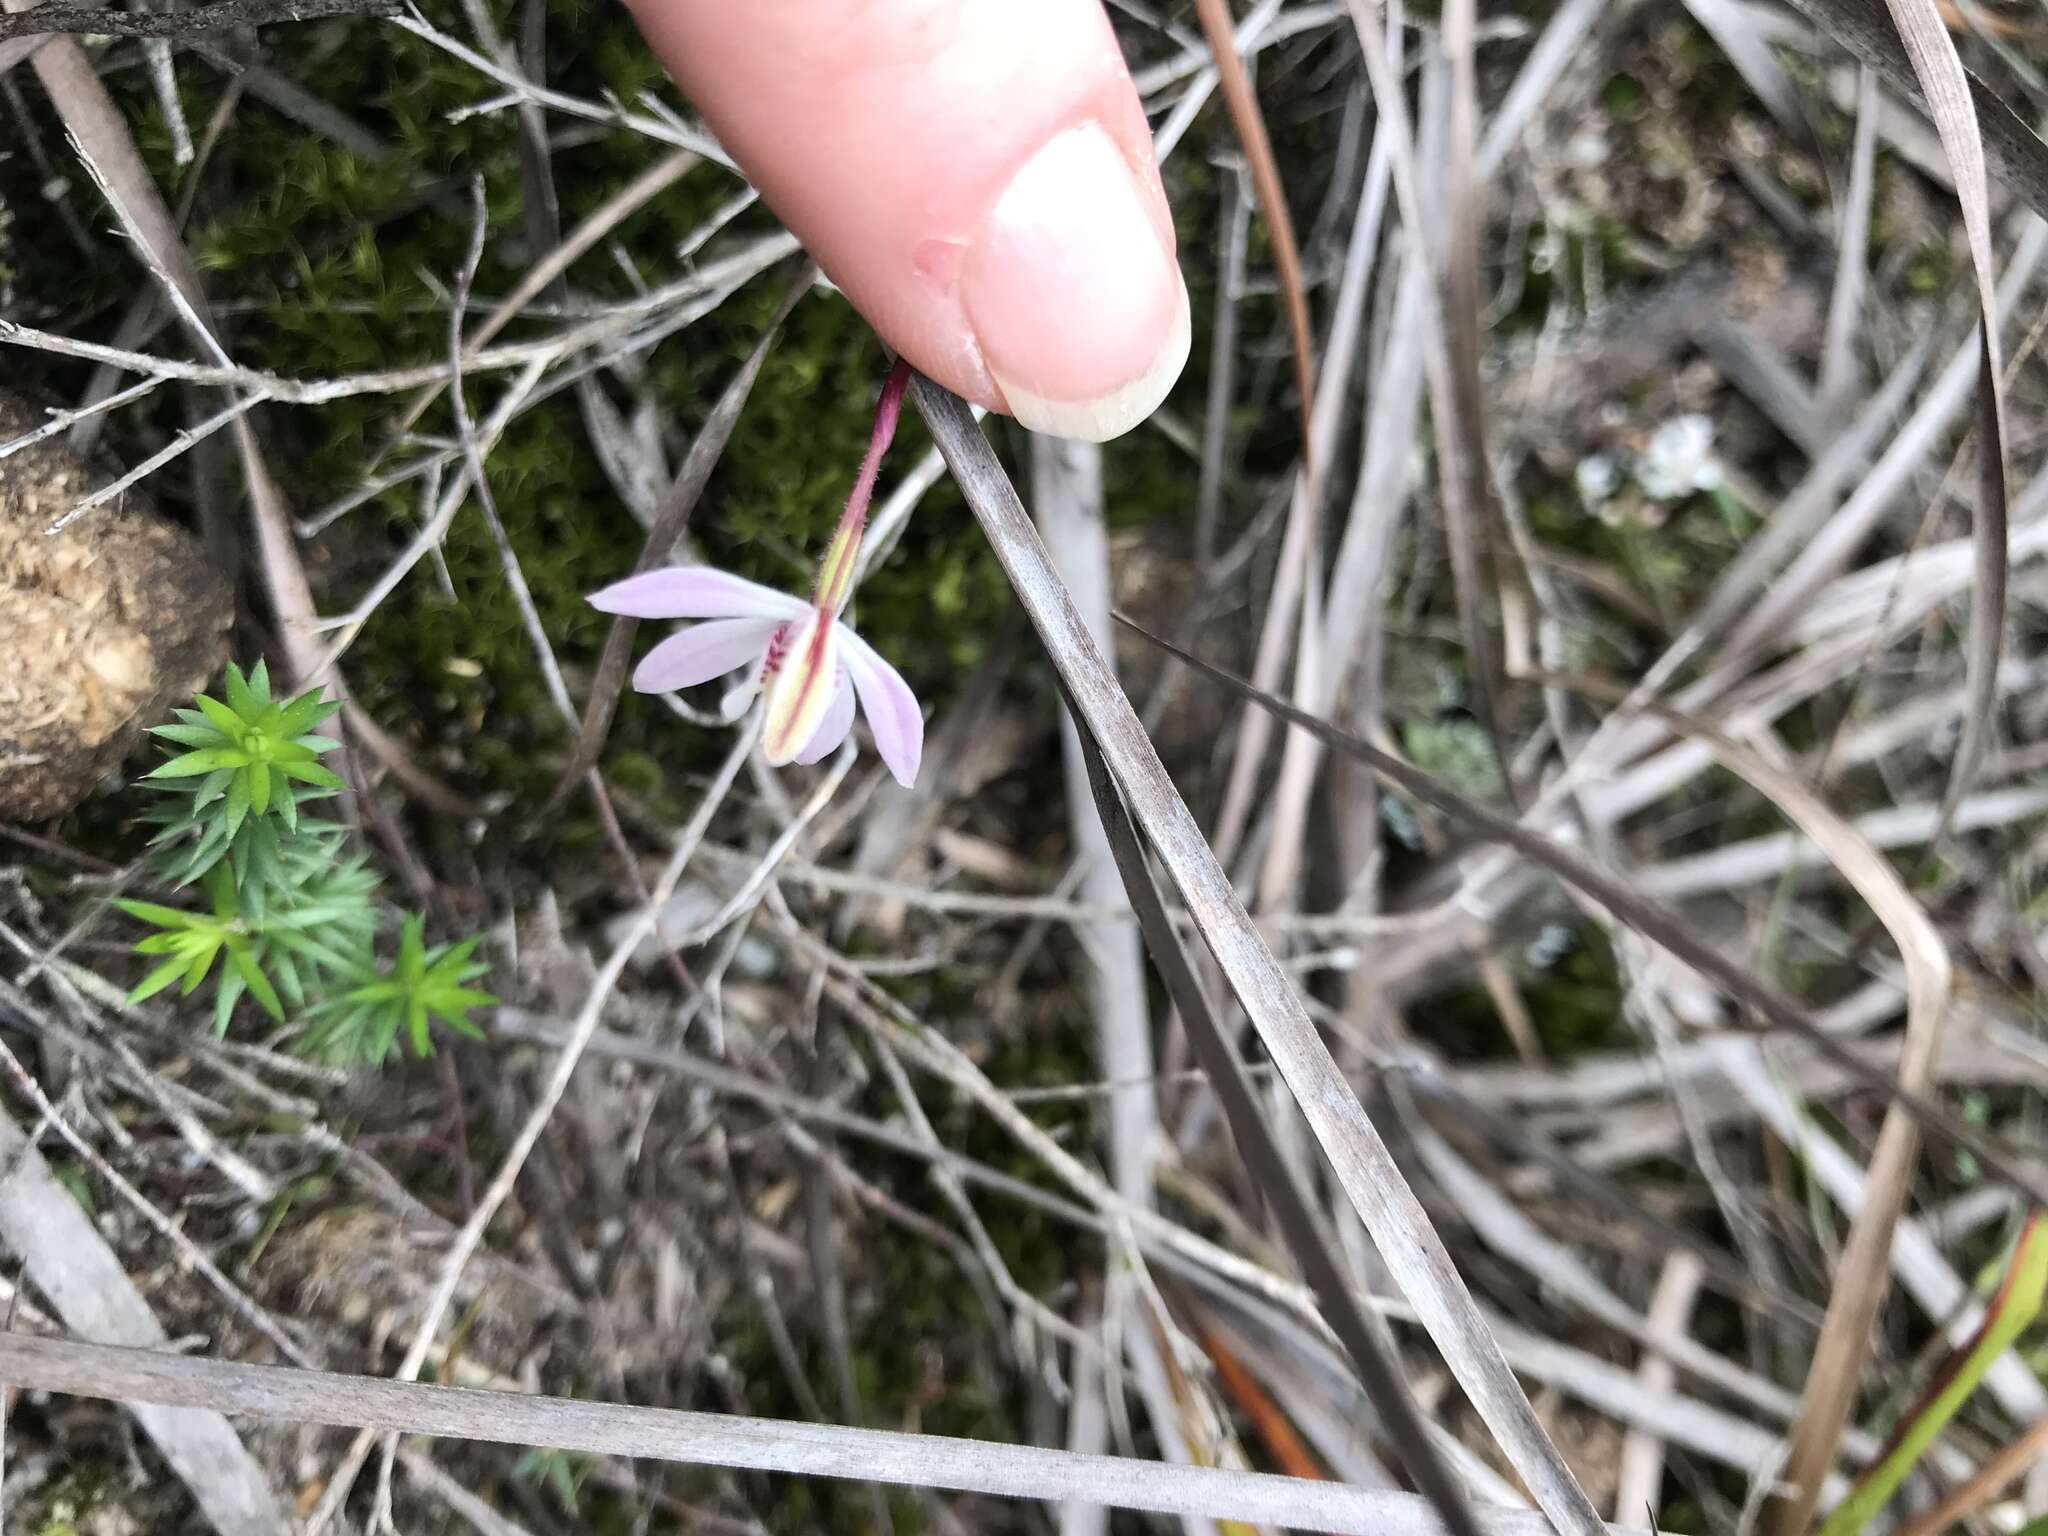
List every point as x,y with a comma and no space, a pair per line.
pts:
193,941
427,983
235,793
292,920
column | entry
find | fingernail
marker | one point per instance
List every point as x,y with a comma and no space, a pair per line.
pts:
1076,302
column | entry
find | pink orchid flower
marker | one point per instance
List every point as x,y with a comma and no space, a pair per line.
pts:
806,657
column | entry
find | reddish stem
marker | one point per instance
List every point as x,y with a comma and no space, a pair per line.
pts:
838,569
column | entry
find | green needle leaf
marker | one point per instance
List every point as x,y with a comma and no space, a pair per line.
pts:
225,720
192,764
156,980
240,697
259,984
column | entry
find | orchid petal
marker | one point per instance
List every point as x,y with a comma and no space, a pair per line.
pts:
738,699
702,652
834,728
696,592
803,689
890,706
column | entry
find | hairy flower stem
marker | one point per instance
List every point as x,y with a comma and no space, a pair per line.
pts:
835,576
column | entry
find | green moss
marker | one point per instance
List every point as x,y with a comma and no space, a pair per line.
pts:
1572,988
1624,97
1456,750
1576,999
82,1500
1932,269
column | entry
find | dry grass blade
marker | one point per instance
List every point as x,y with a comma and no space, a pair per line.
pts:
1511,1133
1318,668
1836,386
1277,1179
479,1515
1863,1273
1987,597
1450,344
1216,432
723,1440
1258,149
1466,514
1520,1241
1946,88
1653,920
14,50
1562,36
1639,1477
1067,485
1359,1158
189,1252
2012,149
1942,1296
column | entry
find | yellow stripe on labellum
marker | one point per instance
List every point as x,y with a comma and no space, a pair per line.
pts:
802,688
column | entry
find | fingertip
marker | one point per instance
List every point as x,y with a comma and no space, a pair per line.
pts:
976,177
1072,290
1116,409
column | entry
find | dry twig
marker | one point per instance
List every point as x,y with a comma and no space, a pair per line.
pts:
215,16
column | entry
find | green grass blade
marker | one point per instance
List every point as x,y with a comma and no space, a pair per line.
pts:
2015,1306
